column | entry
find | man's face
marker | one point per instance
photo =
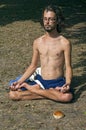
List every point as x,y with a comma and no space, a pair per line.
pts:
49,21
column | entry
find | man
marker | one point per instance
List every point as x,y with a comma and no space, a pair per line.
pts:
54,52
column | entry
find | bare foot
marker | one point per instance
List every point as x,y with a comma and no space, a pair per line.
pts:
32,88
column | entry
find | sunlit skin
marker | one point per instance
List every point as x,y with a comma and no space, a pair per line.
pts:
50,21
54,51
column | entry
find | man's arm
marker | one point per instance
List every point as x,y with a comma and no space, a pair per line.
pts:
33,64
30,70
67,55
68,72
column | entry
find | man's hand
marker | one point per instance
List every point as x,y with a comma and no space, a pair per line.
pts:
65,88
15,86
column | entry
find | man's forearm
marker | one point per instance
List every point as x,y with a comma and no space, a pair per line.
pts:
27,74
69,75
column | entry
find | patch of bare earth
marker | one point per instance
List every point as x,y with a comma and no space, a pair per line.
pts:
15,55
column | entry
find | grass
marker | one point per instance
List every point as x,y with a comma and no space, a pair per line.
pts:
19,26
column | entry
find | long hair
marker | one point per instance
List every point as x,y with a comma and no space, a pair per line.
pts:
59,16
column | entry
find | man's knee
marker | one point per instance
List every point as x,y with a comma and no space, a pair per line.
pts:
67,97
13,95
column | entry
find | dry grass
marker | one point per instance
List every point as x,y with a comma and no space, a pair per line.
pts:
16,40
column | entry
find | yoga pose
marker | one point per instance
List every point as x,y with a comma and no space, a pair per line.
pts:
54,52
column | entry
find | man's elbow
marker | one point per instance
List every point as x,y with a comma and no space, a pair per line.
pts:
33,67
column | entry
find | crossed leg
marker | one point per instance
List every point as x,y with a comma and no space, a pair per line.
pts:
35,92
24,95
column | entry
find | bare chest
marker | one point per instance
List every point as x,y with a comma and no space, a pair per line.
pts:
52,50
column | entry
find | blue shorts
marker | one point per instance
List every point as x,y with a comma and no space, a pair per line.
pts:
47,84
59,82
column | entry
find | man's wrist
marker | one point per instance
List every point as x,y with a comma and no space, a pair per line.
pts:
19,82
68,84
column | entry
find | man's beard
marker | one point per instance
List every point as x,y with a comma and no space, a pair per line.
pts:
49,28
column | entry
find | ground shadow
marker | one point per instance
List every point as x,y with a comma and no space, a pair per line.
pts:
74,11
79,84
18,10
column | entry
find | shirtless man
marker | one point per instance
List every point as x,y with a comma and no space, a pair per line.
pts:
54,52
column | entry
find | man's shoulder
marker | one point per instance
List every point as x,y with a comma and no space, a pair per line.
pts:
64,40
39,39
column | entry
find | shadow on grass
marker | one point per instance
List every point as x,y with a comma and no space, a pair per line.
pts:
18,10
74,11
79,84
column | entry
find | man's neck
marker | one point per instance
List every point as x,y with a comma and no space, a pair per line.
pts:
53,34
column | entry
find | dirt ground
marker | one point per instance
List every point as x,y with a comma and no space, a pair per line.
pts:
16,38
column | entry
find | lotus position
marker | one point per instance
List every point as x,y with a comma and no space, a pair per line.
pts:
54,52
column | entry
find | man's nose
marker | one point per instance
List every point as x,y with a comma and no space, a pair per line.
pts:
47,21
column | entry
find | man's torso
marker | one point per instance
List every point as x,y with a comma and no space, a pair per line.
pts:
51,53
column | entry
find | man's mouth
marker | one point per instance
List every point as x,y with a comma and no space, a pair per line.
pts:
47,26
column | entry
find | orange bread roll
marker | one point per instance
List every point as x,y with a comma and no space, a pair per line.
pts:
58,114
